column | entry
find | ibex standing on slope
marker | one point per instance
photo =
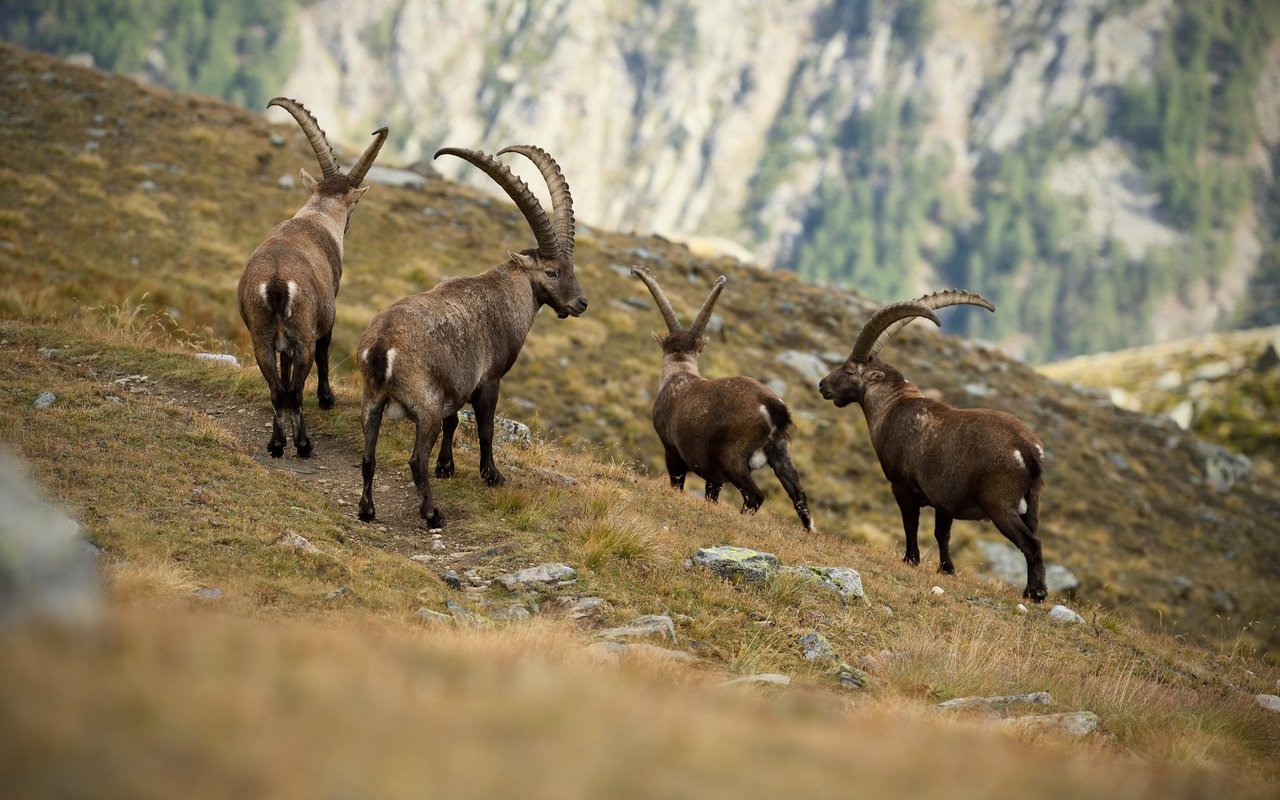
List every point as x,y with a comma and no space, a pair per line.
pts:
431,353
290,286
719,429
971,463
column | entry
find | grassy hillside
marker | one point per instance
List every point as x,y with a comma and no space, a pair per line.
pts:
315,670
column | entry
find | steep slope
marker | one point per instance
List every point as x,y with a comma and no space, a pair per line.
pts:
136,209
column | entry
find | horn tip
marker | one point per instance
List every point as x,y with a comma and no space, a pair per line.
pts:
382,130
722,280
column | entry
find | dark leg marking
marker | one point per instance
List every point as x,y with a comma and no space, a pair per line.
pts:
942,532
910,508
779,456
676,468
324,392
485,403
444,462
372,423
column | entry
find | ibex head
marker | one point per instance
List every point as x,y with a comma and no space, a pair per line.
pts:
677,340
336,192
849,382
550,266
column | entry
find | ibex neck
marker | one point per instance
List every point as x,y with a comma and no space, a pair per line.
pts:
880,400
320,213
678,366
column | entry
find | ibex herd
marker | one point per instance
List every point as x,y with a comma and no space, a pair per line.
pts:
429,354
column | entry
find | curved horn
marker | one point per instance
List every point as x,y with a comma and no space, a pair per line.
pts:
704,313
660,297
357,173
935,301
517,190
882,319
561,200
320,144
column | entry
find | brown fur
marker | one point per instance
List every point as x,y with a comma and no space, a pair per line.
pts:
959,461
714,427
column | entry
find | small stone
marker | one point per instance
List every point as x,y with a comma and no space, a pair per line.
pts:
1075,724
1223,601
816,647
659,625
810,366
463,615
844,581
1061,613
1001,704
434,617
208,593
224,358
541,574
340,593
777,386
977,389
147,186
1168,381
436,546
737,563
1270,702
1022,609
286,182
582,607
45,399
1212,371
937,591
293,540
276,140
887,612
770,678
512,614
452,579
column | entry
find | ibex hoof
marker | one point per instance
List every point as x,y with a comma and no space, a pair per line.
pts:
444,470
1035,595
947,569
366,513
276,449
326,401
304,449
492,477
435,519
912,558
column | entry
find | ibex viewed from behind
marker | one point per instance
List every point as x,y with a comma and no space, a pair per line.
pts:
967,463
719,429
431,353
289,288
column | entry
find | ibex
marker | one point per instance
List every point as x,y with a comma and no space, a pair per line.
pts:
431,353
966,463
721,429
290,285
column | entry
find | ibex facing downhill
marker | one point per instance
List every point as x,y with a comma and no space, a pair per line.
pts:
968,463
431,353
719,429
289,288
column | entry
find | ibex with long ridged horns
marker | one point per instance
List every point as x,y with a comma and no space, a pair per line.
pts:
289,289
968,463
431,353
721,429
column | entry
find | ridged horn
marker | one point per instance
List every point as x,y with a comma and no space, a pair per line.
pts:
357,173
704,313
561,200
319,143
935,301
660,297
517,190
882,319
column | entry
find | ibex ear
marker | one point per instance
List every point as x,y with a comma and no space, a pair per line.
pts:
356,194
657,337
702,342
308,181
875,376
521,260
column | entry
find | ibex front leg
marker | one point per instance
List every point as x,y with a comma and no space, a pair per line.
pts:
444,462
429,426
485,403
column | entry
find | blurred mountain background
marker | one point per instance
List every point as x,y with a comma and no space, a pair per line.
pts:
1104,170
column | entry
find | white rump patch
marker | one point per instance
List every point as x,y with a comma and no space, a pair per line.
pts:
1022,505
395,411
1040,450
288,303
262,290
768,421
1017,456
391,360
364,356
758,460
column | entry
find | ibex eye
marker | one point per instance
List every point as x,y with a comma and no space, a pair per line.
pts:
551,273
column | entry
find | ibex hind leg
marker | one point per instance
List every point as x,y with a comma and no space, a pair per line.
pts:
779,456
1015,530
265,355
301,369
429,427
324,392
372,418
752,497
444,462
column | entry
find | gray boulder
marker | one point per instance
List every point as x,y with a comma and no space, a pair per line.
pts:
1008,564
612,652
767,678
1075,724
541,575
47,569
843,581
45,400
809,365
1223,468
659,625
1001,704
737,563
1270,702
1061,613
505,431
294,541
816,648
398,178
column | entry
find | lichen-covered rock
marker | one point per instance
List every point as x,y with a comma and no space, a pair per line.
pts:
659,625
295,541
1270,702
434,617
816,647
1064,614
45,400
1001,704
844,581
1075,724
505,431
768,678
812,367
46,569
737,563
463,615
541,575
